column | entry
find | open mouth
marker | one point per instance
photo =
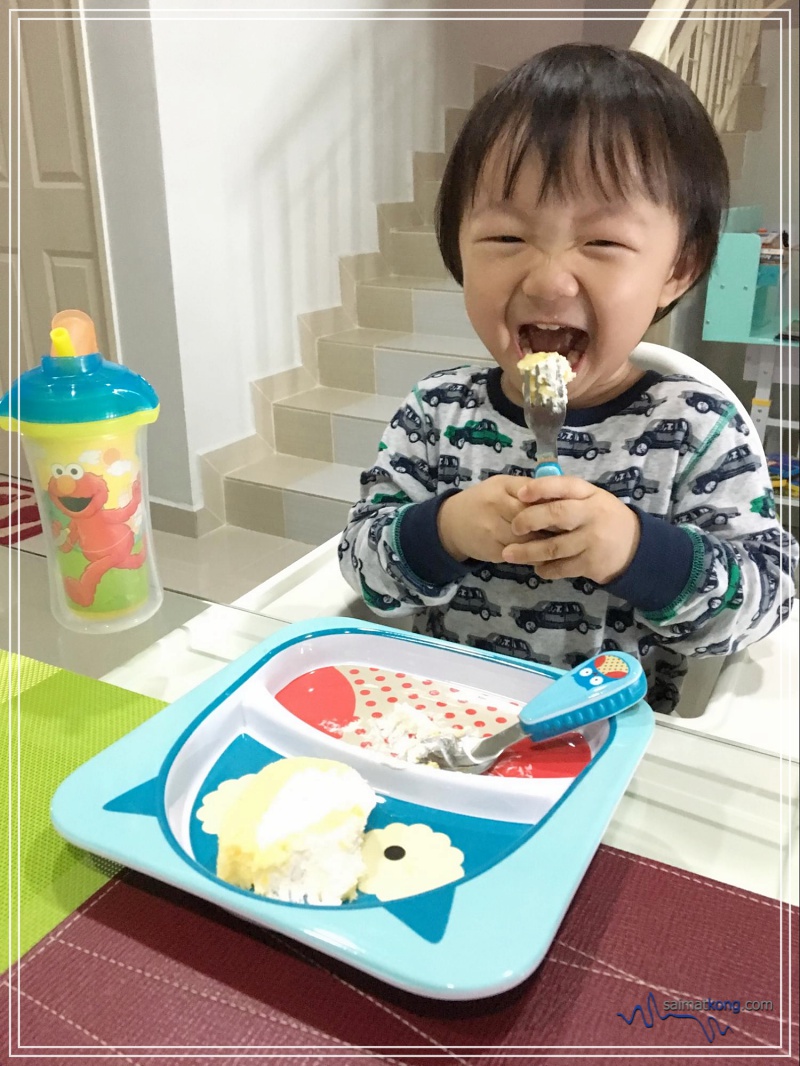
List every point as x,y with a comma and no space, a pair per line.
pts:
569,341
75,503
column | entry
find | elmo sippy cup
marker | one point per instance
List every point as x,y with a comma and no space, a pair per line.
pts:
82,421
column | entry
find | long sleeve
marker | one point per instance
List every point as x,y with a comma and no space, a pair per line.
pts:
712,572
723,534
390,550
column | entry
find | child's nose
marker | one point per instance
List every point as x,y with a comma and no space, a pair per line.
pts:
548,278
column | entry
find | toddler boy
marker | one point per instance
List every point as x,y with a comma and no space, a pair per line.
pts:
582,199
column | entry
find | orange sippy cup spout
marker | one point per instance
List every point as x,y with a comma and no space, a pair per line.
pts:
72,333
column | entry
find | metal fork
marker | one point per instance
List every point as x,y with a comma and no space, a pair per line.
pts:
598,688
470,755
544,418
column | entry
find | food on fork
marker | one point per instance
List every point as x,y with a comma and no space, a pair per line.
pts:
545,375
294,831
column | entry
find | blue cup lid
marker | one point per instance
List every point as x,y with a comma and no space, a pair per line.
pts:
68,390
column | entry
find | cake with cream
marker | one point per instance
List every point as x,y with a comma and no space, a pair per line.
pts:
547,374
294,831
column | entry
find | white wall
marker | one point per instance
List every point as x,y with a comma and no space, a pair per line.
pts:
761,173
278,136
613,24
501,39
127,141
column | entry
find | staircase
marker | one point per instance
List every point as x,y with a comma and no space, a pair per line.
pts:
718,57
406,319
403,317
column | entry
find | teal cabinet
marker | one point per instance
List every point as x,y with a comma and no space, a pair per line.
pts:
747,301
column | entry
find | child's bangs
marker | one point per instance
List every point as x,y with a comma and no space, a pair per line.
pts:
623,157
600,123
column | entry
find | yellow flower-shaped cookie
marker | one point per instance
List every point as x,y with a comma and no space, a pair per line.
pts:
217,803
404,860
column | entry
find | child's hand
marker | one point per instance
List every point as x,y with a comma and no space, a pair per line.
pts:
476,523
596,535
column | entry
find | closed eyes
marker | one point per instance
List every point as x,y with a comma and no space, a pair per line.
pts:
507,238
511,239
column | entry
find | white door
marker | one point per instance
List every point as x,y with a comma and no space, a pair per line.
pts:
55,249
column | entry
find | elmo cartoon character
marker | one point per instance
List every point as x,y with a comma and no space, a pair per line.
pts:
102,535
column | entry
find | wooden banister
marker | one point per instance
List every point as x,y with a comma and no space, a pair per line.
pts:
710,48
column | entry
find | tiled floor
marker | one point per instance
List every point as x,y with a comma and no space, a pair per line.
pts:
221,566
27,623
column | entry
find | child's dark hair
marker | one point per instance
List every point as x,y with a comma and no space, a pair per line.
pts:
637,125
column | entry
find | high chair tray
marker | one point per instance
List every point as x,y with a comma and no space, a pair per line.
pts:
493,880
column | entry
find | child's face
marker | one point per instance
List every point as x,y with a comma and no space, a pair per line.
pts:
601,268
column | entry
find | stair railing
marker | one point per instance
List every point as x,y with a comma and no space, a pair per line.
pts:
711,49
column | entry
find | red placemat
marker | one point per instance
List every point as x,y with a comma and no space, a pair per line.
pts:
19,513
144,973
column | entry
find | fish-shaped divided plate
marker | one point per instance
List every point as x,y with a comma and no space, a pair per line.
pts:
455,859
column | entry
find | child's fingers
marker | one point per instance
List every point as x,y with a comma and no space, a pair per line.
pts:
560,515
558,487
508,504
494,497
545,549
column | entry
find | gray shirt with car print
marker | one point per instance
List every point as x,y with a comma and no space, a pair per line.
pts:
713,571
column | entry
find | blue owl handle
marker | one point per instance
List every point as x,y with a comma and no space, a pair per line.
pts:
598,688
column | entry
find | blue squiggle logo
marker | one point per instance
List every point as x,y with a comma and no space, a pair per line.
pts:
653,1012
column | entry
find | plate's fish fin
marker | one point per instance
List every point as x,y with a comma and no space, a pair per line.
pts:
428,914
143,799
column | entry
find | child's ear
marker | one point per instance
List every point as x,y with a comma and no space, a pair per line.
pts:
683,276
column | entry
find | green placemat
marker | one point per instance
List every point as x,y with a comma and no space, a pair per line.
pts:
51,721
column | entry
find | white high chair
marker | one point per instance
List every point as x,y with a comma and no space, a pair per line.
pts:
669,361
719,689
709,702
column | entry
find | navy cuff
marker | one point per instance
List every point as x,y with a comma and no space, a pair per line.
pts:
661,567
418,538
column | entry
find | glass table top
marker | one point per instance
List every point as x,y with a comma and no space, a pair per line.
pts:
718,806
199,634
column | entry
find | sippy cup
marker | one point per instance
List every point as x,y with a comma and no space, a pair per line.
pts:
82,421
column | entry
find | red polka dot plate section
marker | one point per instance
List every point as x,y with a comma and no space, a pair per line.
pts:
346,699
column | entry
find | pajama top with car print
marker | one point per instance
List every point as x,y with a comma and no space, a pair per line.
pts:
712,572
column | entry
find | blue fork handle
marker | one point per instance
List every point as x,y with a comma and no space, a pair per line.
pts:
599,688
547,469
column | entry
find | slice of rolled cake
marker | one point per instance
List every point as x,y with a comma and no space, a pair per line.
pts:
548,374
294,831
